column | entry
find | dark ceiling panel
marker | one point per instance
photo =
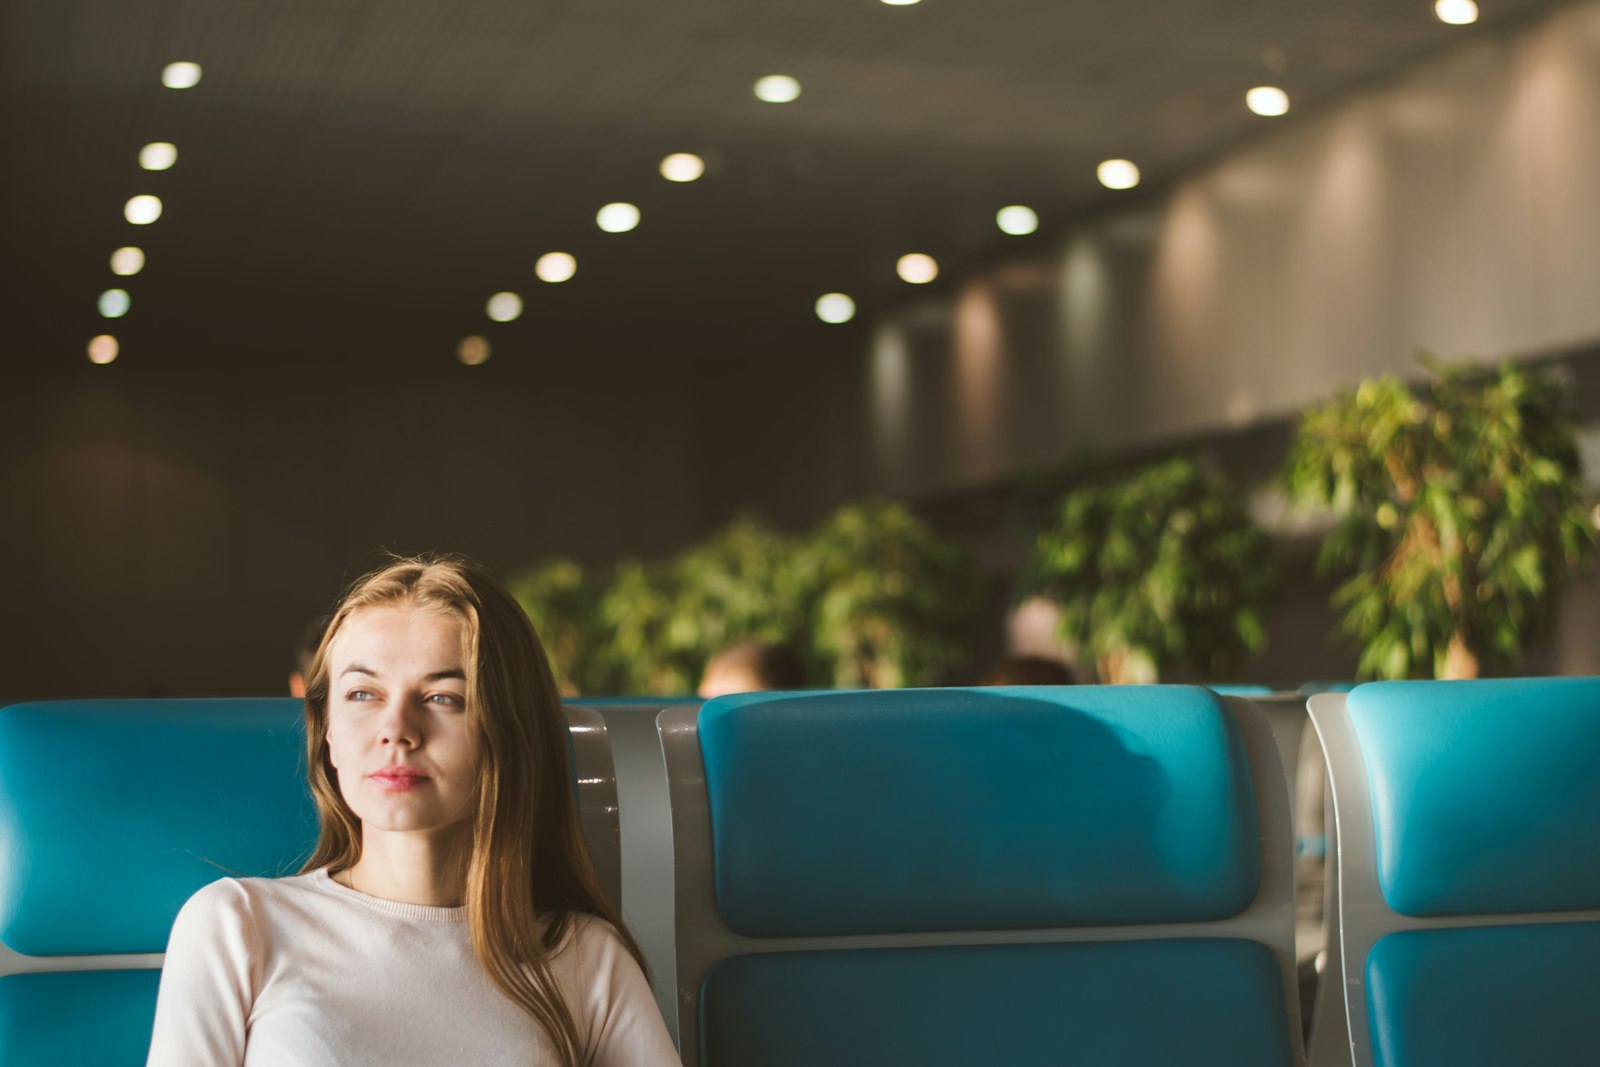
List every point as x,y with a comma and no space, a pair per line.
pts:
357,176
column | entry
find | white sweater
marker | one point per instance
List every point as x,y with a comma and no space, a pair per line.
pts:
306,972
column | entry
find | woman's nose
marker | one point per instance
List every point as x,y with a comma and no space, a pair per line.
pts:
399,723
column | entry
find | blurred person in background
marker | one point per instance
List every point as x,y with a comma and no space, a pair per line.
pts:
751,667
305,650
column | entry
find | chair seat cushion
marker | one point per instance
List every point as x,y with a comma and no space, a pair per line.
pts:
1201,1003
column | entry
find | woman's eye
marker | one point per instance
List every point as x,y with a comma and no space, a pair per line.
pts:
356,696
447,699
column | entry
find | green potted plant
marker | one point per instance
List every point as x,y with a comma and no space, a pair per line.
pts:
743,582
559,597
632,618
1159,567
894,601
1459,513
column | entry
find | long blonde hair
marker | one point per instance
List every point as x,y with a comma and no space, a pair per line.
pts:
528,858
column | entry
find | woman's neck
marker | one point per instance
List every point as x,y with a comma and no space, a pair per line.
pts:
410,868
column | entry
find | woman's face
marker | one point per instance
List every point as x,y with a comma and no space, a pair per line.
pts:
397,720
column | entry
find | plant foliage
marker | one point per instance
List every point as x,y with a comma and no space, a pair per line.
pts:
559,597
894,600
1459,512
1160,567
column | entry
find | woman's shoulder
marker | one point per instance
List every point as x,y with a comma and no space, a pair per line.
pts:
232,900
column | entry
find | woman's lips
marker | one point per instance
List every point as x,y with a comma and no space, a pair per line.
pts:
398,781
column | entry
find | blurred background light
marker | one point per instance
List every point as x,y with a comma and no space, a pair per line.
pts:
617,218
1016,220
901,3
777,89
103,349
504,307
835,308
682,167
183,75
917,268
1456,12
473,350
142,210
1117,174
114,303
555,267
159,155
127,261
1267,100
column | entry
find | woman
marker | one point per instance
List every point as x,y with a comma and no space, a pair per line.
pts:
450,913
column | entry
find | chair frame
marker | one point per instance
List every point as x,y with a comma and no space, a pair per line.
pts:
1364,915
703,938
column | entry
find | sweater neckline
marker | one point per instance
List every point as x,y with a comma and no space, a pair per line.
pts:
418,912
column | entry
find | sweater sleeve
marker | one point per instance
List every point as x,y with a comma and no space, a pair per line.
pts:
625,1025
207,981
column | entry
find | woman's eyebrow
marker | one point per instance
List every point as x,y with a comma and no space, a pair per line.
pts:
356,668
454,672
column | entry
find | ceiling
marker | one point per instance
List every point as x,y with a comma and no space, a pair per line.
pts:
356,177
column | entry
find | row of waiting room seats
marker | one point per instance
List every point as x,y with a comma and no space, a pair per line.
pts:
1094,875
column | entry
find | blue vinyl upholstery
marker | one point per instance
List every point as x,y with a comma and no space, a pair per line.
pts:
1110,1004
1485,795
113,812
1503,995
77,1019
977,809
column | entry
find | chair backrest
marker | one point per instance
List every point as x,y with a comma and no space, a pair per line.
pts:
1003,875
1466,816
645,824
113,812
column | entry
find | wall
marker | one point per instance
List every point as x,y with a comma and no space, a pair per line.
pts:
171,531
1452,210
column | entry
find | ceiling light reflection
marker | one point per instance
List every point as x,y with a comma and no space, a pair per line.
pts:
504,307
127,261
114,303
473,351
183,75
1017,220
142,210
617,218
159,155
1117,174
1267,100
1456,12
555,267
835,308
777,89
103,349
682,167
917,268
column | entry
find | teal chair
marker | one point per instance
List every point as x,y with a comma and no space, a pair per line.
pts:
1468,878
112,812
1087,874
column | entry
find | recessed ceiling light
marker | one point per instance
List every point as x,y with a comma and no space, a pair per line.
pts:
1117,174
555,267
1016,220
503,307
901,3
114,303
127,261
835,308
617,218
103,349
142,210
160,155
180,75
917,268
1267,100
682,167
1456,12
777,89
473,350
